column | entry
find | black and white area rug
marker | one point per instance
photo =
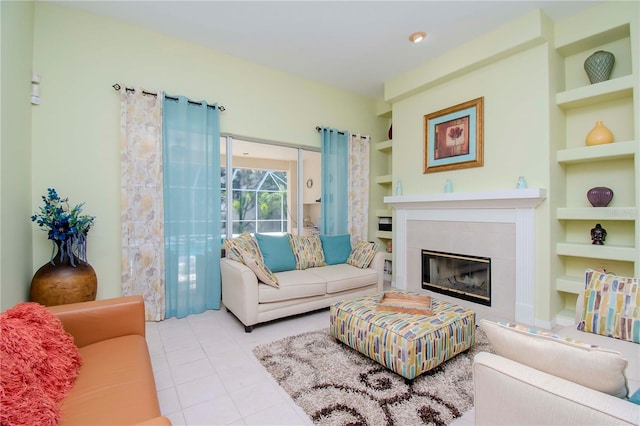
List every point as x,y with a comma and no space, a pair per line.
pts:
336,385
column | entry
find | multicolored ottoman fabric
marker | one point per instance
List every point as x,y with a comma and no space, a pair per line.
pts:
407,344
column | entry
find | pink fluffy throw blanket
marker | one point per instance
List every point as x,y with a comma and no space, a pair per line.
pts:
38,365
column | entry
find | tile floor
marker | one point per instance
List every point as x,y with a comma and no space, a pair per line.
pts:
206,373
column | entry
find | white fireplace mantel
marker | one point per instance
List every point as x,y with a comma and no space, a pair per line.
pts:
515,206
510,198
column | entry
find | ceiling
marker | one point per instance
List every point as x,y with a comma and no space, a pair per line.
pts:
352,45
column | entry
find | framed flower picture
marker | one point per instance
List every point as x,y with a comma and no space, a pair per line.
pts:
453,137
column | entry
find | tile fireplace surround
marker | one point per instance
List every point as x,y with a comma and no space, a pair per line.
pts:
495,224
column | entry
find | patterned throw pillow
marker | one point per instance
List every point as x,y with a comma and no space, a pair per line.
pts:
244,249
242,243
308,251
261,270
362,254
611,306
588,365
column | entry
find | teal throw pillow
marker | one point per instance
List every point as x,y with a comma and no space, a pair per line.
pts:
276,251
336,248
635,398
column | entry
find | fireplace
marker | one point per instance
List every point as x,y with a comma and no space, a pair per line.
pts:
498,224
458,275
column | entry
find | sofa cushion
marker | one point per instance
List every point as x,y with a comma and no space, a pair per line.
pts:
591,366
307,251
234,247
362,254
276,252
611,306
292,285
336,248
258,267
345,277
115,386
39,364
244,249
629,350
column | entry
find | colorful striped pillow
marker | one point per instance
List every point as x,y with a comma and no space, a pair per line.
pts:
307,251
611,306
362,254
244,249
242,243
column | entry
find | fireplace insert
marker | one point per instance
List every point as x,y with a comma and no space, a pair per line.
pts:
458,275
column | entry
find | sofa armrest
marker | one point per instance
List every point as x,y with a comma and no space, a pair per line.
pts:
91,322
508,393
156,421
378,264
240,291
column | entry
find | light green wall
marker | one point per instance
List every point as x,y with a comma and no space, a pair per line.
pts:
511,73
76,128
15,171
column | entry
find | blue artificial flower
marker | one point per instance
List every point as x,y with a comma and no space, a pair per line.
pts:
66,227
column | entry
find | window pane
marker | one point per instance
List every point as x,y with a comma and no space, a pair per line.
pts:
264,182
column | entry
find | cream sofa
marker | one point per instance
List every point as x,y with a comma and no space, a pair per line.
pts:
300,291
508,392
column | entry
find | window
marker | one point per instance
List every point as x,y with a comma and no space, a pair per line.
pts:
266,194
259,201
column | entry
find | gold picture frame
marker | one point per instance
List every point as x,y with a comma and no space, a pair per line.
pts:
453,137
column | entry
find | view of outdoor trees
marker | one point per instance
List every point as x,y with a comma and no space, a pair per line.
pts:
259,201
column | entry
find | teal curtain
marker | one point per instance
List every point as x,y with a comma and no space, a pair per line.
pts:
335,181
191,178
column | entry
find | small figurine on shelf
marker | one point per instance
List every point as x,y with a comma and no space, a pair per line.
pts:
448,186
598,235
522,183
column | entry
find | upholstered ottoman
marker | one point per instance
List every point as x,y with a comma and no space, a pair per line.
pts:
408,344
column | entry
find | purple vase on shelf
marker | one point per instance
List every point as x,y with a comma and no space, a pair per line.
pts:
600,196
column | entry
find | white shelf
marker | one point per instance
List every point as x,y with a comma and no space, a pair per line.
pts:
388,256
384,213
384,180
629,254
621,87
569,284
385,235
384,146
586,154
598,213
566,318
570,43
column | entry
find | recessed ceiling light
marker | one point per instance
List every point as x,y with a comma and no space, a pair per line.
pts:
417,37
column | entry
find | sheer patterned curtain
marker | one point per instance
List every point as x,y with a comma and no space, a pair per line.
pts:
358,188
335,181
141,200
191,156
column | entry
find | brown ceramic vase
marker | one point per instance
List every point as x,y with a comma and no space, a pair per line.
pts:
61,283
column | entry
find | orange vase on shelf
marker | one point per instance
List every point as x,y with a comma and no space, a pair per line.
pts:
599,135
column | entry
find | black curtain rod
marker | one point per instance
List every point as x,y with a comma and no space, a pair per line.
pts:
117,87
318,128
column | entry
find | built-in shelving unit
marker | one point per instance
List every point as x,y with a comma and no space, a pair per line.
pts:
384,179
615,165
385,147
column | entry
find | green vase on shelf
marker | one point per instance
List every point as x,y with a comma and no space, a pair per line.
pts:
598,66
